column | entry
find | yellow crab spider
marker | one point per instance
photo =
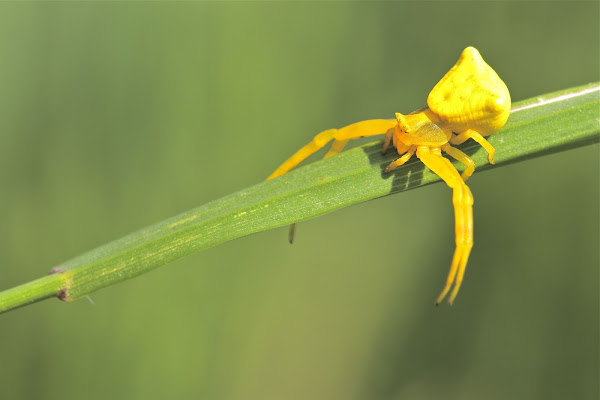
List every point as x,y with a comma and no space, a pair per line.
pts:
469,102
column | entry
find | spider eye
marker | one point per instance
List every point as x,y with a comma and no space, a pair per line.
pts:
402,125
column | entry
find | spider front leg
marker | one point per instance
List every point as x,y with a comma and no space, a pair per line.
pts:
340,136
463,213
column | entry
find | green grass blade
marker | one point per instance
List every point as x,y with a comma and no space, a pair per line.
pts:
544,125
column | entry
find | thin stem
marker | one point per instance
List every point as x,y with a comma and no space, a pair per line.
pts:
30,292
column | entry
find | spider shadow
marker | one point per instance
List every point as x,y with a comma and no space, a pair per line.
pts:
409,175
404,177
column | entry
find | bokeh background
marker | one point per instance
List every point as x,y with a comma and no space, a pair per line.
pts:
114,116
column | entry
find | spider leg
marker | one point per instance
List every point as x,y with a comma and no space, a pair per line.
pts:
461,157
388,138
463,213
340,136
409,151
471,134
318,142
336,147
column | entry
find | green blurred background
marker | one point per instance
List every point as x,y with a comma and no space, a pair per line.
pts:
114,116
